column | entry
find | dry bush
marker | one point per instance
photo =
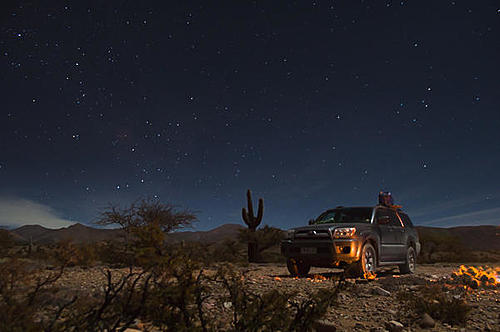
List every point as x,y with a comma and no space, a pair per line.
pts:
6,242
24,298
442,247
273,310
264,238
440,305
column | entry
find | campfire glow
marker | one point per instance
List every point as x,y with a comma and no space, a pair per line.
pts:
370,275
476,277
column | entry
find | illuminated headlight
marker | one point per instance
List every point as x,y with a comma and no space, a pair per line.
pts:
344,232
290,233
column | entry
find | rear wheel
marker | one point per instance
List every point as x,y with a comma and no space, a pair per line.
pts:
367,264
297,267
411,259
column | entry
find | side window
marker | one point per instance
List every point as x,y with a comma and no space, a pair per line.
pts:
381,213
406,220
394,219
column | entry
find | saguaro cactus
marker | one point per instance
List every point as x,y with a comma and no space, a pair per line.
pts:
252,223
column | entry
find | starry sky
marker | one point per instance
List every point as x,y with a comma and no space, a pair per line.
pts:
311,104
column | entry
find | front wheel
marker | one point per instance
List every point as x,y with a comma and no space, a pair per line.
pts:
367,264
297,268
411,259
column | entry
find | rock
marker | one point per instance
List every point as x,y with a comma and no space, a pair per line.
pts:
380,291
324,326
392,312
394,326
359,326
228,305
427,322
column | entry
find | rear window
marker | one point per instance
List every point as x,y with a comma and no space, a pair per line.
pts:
345,215
406,220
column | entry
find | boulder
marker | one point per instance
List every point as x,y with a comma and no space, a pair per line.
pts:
426,322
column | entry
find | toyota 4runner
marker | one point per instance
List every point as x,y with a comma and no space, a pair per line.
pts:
358,239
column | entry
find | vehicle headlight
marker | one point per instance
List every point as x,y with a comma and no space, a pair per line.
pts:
344,232
290,233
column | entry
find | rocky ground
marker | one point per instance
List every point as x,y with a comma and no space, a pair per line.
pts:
371,305
362,305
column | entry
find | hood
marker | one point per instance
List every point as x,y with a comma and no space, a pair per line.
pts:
328,226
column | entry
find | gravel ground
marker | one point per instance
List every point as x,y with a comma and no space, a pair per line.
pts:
362,305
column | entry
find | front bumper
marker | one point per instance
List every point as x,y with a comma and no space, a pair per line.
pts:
327,253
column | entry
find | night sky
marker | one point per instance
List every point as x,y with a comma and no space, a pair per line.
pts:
311,104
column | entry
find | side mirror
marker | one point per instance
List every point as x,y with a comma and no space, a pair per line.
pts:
384,220
311,221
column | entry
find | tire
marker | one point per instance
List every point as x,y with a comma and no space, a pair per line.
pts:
411,260
297,268
366,265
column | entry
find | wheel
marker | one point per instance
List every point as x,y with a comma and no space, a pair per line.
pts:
411,259
366,265
297,268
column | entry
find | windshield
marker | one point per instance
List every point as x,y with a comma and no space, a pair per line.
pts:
345,215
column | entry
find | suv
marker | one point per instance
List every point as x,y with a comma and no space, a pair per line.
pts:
358,239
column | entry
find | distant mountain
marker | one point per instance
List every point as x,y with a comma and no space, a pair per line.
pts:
226,231
473,237
79,233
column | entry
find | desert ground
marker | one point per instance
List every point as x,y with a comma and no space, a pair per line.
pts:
363,305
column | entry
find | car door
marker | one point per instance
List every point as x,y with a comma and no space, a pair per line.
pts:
396,227
389,241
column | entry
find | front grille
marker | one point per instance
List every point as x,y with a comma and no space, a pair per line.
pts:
312,234
323,250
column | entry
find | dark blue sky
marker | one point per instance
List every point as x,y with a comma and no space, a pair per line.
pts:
309,104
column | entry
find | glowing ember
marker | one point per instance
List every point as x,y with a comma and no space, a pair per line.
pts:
370,275
476,277
277,278
317,278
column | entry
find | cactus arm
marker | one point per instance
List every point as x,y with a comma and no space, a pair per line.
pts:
250,204
260,211
244,215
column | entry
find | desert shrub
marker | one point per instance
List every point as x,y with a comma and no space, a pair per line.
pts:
6,241
228,251
439,246
273,310
67,253
116,307
434,301
114,254
265,238
24,298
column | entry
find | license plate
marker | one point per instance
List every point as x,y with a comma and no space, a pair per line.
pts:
308,251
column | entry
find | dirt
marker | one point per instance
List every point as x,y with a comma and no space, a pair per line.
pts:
362,305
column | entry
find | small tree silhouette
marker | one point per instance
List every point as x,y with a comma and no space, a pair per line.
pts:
145,224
